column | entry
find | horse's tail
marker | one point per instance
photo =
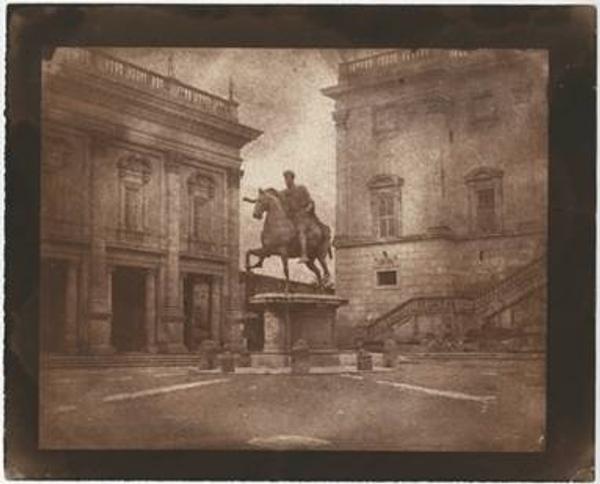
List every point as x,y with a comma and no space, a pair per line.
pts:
329,252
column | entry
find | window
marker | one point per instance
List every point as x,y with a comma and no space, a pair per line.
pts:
201,190
387,278
386,215
385,205
133,208
486,211
201,215
134,173
485,200
384,119
484,108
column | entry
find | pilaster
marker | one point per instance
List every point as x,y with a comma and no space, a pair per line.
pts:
438,110
70,328
340,118
173,316
216,305
232,332
150,311
99,324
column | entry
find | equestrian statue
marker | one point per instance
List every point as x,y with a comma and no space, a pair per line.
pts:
291,229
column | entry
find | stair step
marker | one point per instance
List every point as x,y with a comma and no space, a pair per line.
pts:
104,361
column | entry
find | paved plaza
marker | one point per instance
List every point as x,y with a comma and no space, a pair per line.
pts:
495,406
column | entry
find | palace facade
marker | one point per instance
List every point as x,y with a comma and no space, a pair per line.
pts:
442,196
139,209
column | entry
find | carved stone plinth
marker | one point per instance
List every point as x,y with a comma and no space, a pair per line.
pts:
289,318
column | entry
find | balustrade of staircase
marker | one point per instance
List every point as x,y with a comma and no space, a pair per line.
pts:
482,305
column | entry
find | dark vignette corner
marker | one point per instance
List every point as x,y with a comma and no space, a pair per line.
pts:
568,34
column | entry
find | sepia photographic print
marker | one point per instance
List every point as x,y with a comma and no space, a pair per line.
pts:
397,197
314,243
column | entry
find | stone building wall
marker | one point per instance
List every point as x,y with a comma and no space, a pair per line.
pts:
140,189
433,129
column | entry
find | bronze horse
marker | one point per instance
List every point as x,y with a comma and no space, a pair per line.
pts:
279,237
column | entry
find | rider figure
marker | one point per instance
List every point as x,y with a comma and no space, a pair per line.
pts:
301,209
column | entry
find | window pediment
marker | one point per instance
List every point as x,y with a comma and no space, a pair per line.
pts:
201,185
482,174
438,104
383,180
134,166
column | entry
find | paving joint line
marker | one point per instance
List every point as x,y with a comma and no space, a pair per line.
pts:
160,390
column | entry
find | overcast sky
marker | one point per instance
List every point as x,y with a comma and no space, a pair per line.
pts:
279,94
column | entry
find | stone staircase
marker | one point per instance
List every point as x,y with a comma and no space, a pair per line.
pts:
511,289
480,306
404,312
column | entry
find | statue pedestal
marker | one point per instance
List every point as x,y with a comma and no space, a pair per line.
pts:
291,317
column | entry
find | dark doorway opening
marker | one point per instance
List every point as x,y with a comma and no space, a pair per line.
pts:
197,307
254,331
128,308
53,282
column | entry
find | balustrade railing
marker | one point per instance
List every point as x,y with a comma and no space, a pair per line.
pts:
417,306
124,71
530,276
389,62
505,292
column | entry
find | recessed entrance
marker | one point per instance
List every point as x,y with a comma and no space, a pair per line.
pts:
198,309
128,309
254,332
53,282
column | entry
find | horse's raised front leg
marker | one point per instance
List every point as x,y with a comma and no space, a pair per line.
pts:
258,253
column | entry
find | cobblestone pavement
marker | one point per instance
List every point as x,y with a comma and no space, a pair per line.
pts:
497,406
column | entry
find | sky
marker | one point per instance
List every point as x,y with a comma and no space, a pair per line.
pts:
279,93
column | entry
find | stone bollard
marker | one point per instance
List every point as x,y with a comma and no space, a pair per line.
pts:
208,350
241,354
364,360
390,353
227,361
300,358
244,359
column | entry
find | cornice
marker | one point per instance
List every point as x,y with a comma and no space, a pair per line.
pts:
345,243
105,131
420,73
126,99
